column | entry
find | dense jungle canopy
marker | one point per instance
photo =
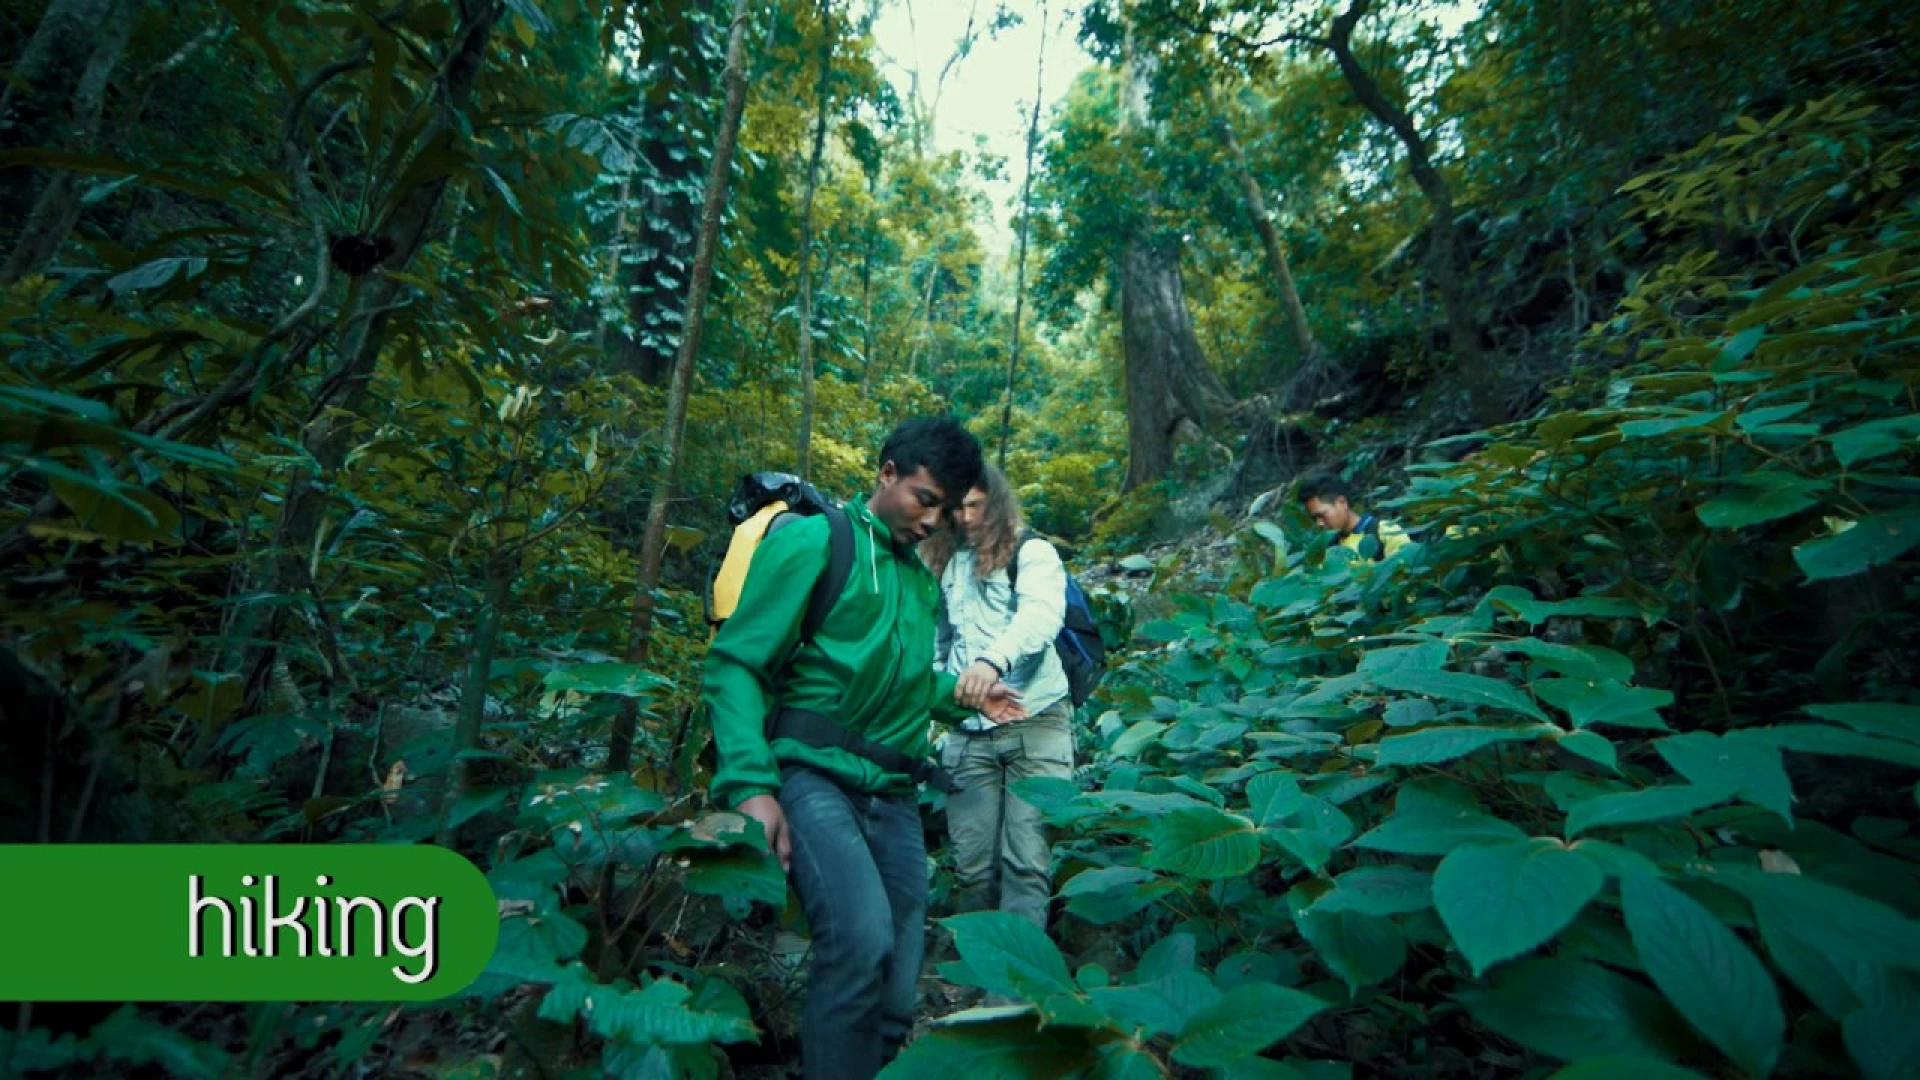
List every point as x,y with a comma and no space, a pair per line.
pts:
378,372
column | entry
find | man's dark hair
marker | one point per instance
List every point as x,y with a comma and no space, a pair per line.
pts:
948,451
1326,487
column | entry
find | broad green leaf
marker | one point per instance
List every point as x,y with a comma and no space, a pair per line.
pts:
1603,701
1875,438
1817,739
1884,1042
1570,1009
1667,425
1432,819
1869,542
606,677
1137,738
1576,661
1879,718
1617,1067
1379,890
1426,656
1204,843
1501,900
1770,414
1533,611
1636,807
1592,746
1432,745
1272,796
1158,1007
1844,926
159,272
997,1045
751,875
1245,1021
1752,505
1361,949
1706,972
1409,712
1105,879
1010,955
1455,686
1753,770
119,511
1167,957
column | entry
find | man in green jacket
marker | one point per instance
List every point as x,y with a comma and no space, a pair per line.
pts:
845,826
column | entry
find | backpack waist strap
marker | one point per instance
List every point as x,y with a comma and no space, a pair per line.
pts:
815,729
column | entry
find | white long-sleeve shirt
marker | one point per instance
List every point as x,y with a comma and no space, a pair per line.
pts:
983,620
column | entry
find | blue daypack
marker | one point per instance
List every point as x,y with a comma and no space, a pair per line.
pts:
1083,652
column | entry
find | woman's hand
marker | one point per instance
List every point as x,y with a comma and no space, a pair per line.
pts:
1002,704
971,690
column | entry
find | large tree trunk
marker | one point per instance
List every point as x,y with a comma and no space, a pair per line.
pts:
654,543
1169,385
1445,267
806,240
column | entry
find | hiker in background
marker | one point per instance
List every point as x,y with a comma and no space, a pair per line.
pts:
821,740
1330,500
1004,599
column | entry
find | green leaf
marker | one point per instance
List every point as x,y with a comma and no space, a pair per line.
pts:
1204,843
1010,955
1667,425
1362,949
1432,745
1847,928
1501,900
1753,770
1592,746
1534,612
1246,1020
1379,890
1455,686
1570,1009
1272,796
1617,1066
1426,656
751,875
153,275
120,511
1603,701
605,677
1578,661
1752,506
1409,712
1875,438
1885,1042
1869,542
1878,718
993,1044
1636,807
1816,739
1706,972
1431,819
1137,738
1160,1006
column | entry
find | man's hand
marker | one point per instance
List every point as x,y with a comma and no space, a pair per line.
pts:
971,689
1002,704
765,809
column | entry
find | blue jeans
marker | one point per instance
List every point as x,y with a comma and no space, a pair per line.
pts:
860,870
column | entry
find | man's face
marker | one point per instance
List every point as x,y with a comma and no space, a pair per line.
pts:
971,518
1334,515
909,506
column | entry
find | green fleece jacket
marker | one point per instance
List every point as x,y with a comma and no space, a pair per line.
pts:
870,668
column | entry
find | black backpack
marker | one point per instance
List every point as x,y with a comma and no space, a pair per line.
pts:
762,502
1082,651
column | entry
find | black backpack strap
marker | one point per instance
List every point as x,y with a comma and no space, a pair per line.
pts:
828,586
814,729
